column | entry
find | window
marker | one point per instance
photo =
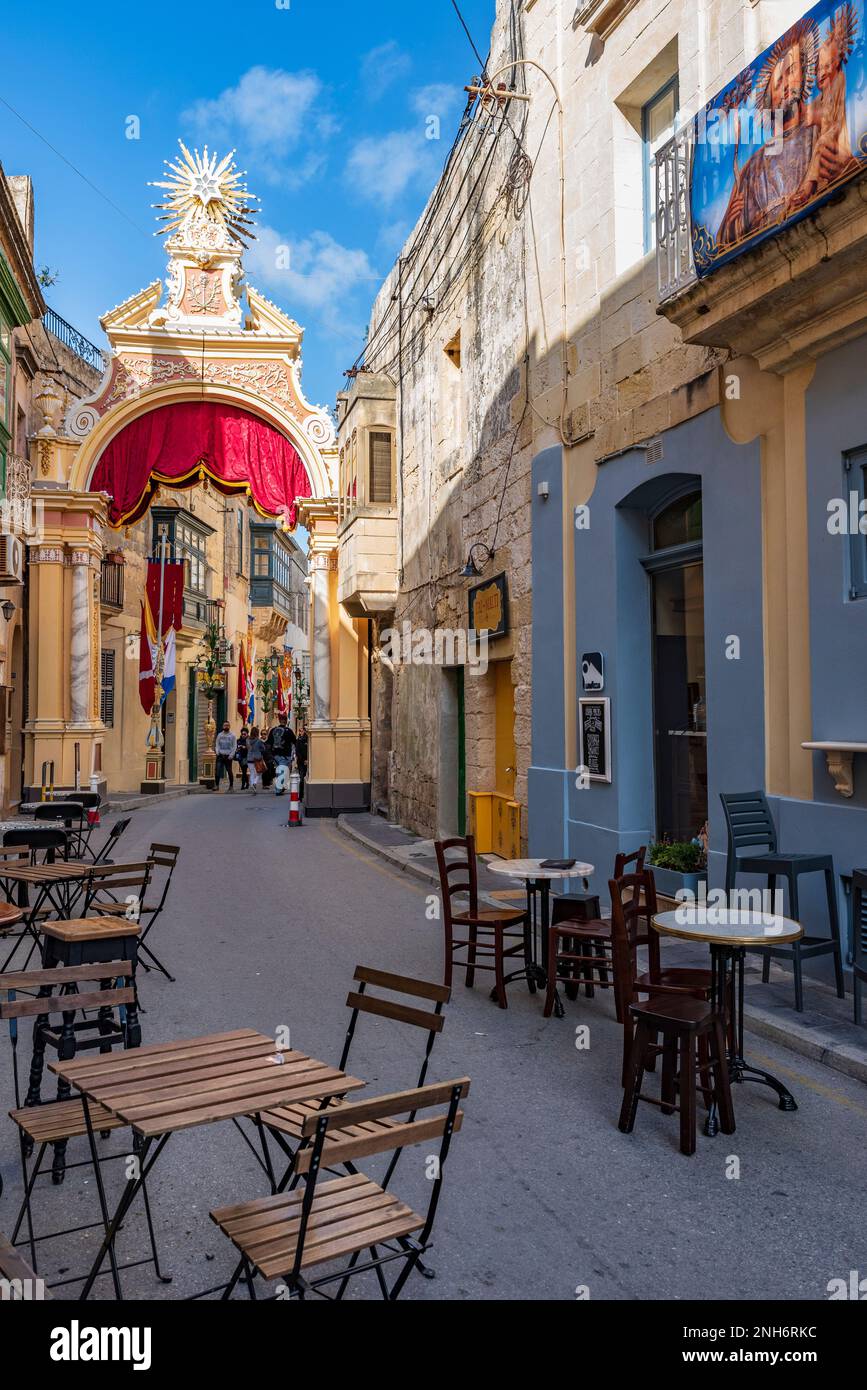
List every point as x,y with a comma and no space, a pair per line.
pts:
240,541
106,687
380,490
658,123
261,555
855,485
190,547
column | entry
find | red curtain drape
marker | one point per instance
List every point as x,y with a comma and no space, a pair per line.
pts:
173,443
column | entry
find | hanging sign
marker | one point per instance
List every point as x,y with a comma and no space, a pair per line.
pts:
594,737
593,671
489,607
787,132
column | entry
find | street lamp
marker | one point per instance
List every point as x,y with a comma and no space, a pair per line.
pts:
471,569
210,669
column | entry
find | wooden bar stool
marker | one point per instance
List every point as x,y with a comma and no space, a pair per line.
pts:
682,1022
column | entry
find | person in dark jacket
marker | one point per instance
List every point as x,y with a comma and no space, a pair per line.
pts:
281,746
301,754
241,757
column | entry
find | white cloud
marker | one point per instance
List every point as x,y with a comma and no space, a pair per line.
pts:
382,168
314,273
268,110
437,99
382,67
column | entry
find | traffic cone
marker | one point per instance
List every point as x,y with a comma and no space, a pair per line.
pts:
294,799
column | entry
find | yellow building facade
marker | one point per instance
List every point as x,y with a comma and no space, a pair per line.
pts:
214,342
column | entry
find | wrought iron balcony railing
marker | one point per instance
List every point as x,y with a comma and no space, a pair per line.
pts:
111,584
674,264
75,341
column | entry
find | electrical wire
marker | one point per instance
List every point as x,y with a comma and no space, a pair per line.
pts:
469,36
73,167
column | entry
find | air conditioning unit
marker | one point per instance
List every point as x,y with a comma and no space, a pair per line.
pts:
11,560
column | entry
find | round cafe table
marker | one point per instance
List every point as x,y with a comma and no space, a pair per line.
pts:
538,880
730,932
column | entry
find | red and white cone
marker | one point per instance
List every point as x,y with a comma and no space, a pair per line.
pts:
294,799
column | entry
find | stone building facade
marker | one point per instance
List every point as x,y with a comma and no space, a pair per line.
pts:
522,315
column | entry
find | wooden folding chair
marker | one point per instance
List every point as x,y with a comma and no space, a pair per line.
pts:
291,1234
54,1123
285,1123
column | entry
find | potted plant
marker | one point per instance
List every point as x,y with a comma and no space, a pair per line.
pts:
678,865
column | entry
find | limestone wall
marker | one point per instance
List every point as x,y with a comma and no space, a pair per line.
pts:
594,375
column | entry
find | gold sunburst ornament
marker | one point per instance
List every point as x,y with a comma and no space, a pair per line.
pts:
205,185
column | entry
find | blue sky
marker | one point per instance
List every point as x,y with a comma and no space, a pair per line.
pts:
327,103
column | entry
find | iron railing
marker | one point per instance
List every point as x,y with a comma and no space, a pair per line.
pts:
111,584
75,341
675,269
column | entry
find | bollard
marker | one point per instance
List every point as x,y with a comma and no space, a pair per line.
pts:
294,799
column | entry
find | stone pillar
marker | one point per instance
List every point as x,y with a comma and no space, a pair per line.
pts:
63,620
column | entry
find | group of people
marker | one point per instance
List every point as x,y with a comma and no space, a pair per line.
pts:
261,761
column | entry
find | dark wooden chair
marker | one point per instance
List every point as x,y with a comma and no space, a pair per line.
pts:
493,934
859,939
633,905
750,827
160,857
693,1048
580,949
292,1234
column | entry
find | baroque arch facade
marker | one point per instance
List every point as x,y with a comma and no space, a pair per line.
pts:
202,336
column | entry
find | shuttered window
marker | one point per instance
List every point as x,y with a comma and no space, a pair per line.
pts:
106,687
380,467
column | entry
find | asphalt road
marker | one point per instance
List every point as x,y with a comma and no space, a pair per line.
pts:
543,1196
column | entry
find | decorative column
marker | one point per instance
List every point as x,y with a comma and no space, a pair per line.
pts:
321,640
80,642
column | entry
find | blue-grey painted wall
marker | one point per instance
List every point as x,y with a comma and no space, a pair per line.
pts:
613,616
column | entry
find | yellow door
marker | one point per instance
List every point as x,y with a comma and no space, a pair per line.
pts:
504,736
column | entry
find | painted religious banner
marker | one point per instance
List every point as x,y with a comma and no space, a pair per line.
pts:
783,135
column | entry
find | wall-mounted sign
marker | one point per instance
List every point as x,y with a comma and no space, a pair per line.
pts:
594,737
489,607
593,671
783,135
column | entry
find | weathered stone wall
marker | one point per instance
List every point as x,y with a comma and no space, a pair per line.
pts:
468,438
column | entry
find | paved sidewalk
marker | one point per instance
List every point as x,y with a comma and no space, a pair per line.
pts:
824,1031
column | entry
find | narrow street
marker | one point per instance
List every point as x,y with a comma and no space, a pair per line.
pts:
542,1194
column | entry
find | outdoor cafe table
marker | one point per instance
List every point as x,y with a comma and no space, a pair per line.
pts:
165,1087
538,880
59,884
730,932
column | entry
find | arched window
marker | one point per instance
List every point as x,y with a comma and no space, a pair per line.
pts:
679,522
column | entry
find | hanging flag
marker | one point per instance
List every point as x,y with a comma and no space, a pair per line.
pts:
251,680
173,612
242,682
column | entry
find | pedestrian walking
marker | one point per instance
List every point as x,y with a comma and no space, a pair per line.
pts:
281,747
225,748
241,758
301,754
256,759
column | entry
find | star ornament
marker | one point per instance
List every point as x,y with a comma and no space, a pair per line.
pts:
209,186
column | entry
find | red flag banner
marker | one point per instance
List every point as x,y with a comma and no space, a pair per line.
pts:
242,683
173,614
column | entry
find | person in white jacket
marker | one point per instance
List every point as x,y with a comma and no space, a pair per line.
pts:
225,748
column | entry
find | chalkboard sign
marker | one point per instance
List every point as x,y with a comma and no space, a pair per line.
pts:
594,736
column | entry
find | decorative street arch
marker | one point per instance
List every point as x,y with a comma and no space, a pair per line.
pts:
202,384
